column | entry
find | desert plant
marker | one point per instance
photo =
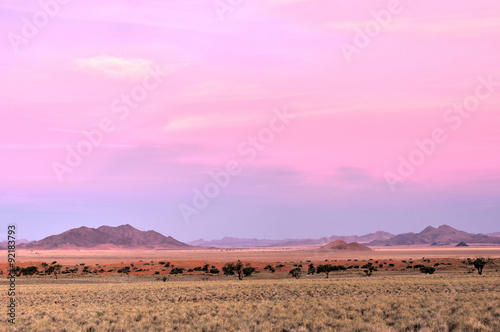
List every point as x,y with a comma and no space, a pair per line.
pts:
53,269
238,269
368,272
427,269
177,270
296,273
311,269
248,270
28,271
270,268
479,264
326,268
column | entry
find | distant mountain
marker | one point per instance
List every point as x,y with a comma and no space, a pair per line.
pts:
379,235
443,235
497,234
106,237
341,245
235,242
245,242
4,244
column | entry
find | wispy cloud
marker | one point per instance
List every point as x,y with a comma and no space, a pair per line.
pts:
114,67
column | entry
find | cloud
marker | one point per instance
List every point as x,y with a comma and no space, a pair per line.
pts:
214,120
353,177
115,67
428,26
277,3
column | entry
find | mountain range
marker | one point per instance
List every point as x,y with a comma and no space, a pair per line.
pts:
342,245
128,237
106,237
443,235
246,242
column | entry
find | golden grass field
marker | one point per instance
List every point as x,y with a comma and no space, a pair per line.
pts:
396,297
449,302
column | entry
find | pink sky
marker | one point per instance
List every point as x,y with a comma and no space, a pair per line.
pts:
323,174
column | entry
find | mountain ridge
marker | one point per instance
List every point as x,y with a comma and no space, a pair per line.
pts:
442,235
253,242
106,237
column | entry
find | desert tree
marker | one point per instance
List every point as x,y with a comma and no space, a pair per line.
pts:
55,269
479,264
238,269
228,269
368,272
311,269
296,273
427,269
270,268
28,271
326,268
177,270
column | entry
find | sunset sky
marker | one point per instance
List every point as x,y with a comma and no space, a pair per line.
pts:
159,95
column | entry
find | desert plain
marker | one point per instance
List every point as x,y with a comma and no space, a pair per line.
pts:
92,290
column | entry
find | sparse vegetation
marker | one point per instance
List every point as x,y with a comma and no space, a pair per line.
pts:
238,269
296,273
479,264
177,270
427,269
380,303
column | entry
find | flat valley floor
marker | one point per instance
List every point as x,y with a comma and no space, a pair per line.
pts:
454,298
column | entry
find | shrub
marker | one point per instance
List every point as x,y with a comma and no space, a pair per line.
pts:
479,264
368,272
427,269
327,268
177,270
238,269
270,268
28,271
125,269
296,273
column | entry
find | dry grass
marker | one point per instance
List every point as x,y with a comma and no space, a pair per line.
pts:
449,302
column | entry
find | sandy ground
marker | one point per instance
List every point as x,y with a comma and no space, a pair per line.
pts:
247,254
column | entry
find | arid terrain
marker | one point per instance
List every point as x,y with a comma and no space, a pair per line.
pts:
253,254
124,290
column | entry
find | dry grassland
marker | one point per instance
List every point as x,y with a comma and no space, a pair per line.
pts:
447,302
